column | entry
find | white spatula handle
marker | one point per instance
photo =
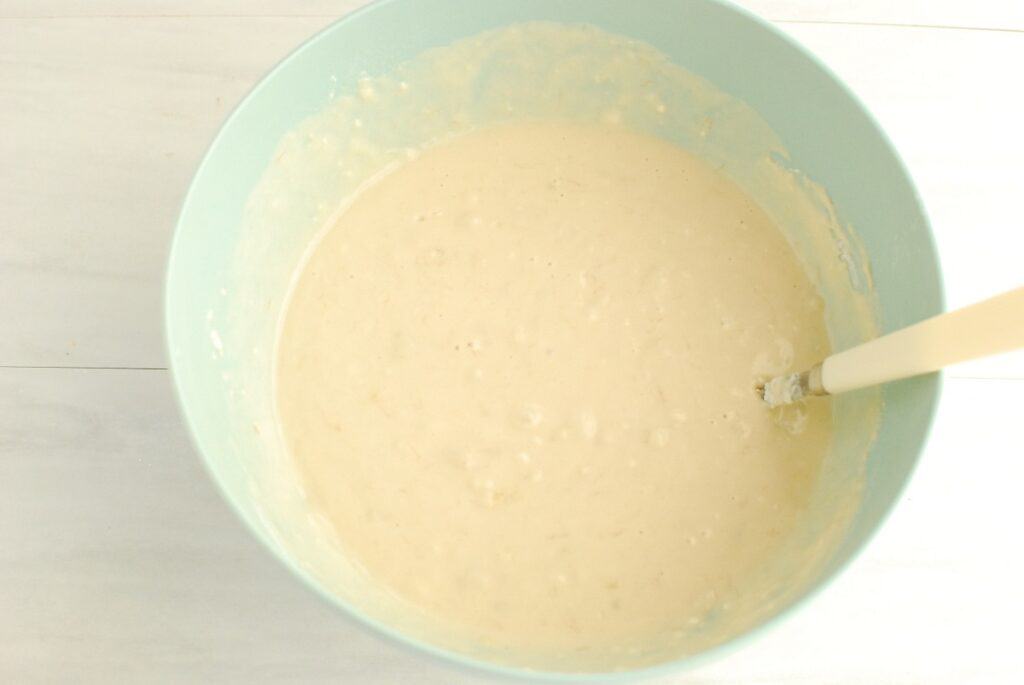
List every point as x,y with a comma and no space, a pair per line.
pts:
986,328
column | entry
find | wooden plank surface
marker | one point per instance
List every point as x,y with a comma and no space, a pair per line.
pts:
120,563
99,238
988,14
1000,15
103,122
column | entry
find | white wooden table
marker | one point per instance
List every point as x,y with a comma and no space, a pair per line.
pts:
120,563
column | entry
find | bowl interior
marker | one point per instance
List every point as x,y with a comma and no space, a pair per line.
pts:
828,135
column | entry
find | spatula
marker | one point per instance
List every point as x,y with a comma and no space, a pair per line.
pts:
989,327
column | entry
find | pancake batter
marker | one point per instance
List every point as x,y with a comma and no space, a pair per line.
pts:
517,373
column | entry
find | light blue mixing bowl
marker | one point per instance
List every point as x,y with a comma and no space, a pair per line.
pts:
827,132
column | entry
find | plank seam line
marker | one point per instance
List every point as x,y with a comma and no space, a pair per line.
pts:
823,22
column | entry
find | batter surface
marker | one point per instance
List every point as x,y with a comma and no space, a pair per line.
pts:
516,376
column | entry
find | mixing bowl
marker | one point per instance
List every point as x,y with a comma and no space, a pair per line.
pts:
228,274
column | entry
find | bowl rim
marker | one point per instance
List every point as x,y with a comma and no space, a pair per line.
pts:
472,665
